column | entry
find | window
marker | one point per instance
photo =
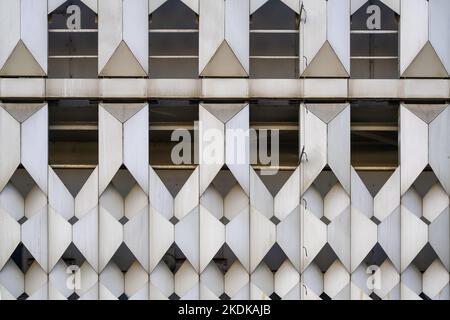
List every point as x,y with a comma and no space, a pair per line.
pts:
374,42
274,41
73,41
173,41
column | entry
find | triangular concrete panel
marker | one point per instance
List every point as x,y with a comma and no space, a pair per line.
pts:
22,112
192,4
92,4
224,63
52,5
256,4
123,63
326,112
426,112
21,62
122,112
153,5
224,112
426,64
325,64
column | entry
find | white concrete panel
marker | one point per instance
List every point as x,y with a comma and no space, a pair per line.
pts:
439,148
136,279
413,141
160,198
315,143
339,147
188,197
339,237
414,18
434,202
135,148
110,146
390,278
34,148
10,12
285,279
135,236
161,237
314,237
9,236
363,237
237,30
212,237
338,29
186,278
211,282
389,237
110,26
335,279
439,25
237,147
335,202
260,197
361,199
35,230
236,279
60,236
237,237
161,282
262,237
435,278
388,198
110,236
211,147
59,198
439,237
9,146
135,29
211,30
87,198
414,236
33,29
187,237
288,237
288,198
85,237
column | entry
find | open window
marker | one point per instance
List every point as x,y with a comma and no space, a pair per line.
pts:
274,41
374,41
72,41
73,135
173,41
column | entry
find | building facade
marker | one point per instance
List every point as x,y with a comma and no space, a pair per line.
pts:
224,149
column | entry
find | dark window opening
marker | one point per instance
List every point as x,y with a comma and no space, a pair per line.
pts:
374,42
173,41
274,41
72,41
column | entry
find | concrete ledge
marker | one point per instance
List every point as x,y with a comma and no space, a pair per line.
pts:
325,88
72,88
424,89
225,88
123,88
174,88
276,88
22,88
373,89
400,89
